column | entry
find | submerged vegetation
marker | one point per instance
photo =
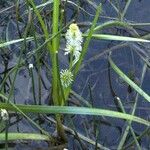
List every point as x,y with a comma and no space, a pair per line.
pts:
73,75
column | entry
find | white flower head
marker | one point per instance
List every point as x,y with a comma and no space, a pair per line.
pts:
66,77
30,66
4,114
74,40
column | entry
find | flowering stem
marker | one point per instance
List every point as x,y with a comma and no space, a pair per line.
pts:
71,61
84,50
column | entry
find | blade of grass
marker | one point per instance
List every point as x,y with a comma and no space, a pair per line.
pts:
43,26
95,36
72,110
129,127
126,131
24,136
88,39
116,38
144,133
110,24
14,41
125,9
129,81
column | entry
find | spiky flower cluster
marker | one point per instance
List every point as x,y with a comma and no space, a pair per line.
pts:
66,78
74,40
4,114
73,48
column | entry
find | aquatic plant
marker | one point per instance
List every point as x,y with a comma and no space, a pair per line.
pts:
45,30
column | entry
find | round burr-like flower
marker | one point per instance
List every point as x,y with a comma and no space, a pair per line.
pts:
66,77
4,114
30,66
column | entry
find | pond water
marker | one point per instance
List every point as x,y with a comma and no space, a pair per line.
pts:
96,82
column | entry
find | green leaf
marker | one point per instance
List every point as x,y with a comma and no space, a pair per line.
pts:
129,81
14,41
73,110
116,38
24,136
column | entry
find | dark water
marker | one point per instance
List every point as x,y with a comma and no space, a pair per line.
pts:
93,77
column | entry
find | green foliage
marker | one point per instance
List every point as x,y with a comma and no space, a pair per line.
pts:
50,34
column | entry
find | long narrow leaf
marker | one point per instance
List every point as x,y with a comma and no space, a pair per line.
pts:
24,136
88,39
73,110
95,36
15,41
129,81
116,38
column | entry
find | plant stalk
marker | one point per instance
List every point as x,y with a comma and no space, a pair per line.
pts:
55,68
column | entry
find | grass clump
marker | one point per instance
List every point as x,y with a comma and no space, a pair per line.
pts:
53,42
